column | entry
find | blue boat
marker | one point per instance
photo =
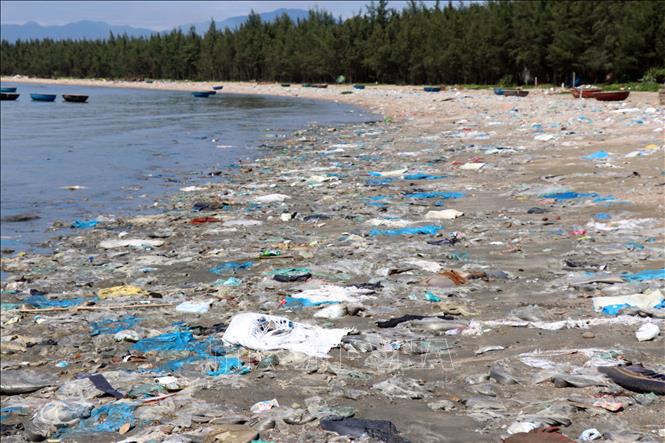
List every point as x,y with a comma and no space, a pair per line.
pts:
212,92
217,88
202,94
8,90
432,88
43,97
498,91
358,86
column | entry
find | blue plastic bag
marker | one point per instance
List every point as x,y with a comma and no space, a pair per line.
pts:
419,230
598,155
40,301
649,274
569,195
442,195
112,326
231,266
84,224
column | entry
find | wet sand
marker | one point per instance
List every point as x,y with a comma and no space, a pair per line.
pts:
518,266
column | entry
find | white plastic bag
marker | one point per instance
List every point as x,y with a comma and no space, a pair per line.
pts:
269,332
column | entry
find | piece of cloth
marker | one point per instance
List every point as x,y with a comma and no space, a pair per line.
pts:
102,384
383,430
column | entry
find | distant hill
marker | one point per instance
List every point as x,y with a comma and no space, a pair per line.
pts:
90,30
85,29
234,22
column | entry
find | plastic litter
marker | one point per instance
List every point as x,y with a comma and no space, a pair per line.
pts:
84,224
590,434
647,331
192,307
419,230
269,332
646,300
134,243
441,195
231,266
598,155
446,214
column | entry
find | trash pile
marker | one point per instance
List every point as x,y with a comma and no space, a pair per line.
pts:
486,268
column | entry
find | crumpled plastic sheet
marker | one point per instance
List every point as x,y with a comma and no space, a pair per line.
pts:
583,323
420,176
569,195
84,224
379,181
416,230
111,326
41,301
230,267
269,332
651,274
442,195
210,350
108,418
598,155
327,294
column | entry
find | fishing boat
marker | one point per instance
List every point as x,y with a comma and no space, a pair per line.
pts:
212,92
217,87
202,94
515,93
43,97
74,98
498,91
306,85
587,92
8,96
8,90
611,96
358,86
286,85
432,88
320,85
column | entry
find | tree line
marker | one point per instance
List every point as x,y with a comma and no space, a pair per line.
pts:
489,42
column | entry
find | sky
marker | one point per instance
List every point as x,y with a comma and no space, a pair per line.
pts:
158,15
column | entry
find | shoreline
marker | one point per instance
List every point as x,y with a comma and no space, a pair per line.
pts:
340,202
378,99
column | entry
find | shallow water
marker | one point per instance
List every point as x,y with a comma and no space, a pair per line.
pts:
127,147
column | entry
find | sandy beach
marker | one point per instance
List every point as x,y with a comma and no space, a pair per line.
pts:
500,221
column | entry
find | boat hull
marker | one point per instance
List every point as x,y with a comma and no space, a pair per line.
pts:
611,96
75,98
432,89
586,92
515,93
8,90
205,94
8,96
43,97
217,88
